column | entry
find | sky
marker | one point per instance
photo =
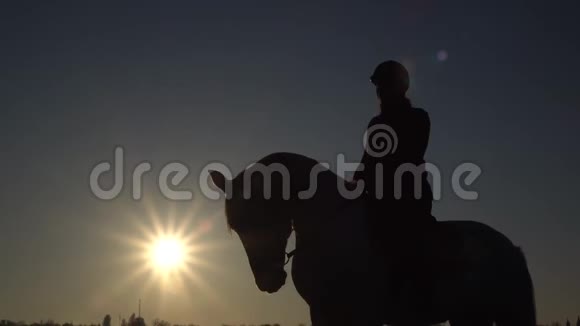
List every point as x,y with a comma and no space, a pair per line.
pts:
232,81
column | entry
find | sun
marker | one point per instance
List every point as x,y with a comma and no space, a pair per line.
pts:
168,253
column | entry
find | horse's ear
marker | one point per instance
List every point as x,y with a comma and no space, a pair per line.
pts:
218,179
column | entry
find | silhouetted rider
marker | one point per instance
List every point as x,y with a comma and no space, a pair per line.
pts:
399,222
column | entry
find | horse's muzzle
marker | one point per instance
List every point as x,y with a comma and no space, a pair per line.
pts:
271,281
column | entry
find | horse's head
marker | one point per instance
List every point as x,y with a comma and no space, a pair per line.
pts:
263,225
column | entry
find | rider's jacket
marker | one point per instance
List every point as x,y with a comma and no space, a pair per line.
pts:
396,141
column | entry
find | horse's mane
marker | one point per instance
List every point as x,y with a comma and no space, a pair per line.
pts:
286,158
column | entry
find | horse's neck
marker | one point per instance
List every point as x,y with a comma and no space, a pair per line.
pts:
314,216
323,209
333,231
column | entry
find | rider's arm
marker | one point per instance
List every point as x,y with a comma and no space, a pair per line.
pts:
423,131
366,160
364,163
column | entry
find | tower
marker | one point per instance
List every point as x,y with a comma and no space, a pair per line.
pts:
139,321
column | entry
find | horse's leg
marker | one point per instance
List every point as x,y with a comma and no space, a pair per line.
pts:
324,316
337,315
317,316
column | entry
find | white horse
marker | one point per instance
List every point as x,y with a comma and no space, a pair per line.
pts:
479,280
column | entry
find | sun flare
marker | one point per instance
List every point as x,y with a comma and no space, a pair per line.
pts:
168,253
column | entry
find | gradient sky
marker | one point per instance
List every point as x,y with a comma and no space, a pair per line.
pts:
235,80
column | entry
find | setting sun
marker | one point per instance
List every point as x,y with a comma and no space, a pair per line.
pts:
167,250
168,253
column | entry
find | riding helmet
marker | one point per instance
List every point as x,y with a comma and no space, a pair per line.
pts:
391,74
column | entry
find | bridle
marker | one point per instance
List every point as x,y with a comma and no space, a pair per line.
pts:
289,256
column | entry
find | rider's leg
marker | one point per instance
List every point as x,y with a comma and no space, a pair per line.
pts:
415,237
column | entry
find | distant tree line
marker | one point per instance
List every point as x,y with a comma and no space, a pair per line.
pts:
138,321
47,322
132,321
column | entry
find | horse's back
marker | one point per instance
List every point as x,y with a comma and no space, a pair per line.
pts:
474,242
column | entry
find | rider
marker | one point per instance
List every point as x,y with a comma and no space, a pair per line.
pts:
400,223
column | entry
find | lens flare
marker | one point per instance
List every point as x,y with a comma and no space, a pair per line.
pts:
442,55
168,253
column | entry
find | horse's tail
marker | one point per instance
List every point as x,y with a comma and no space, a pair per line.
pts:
521,310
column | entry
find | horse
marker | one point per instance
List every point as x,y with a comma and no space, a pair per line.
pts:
481,279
